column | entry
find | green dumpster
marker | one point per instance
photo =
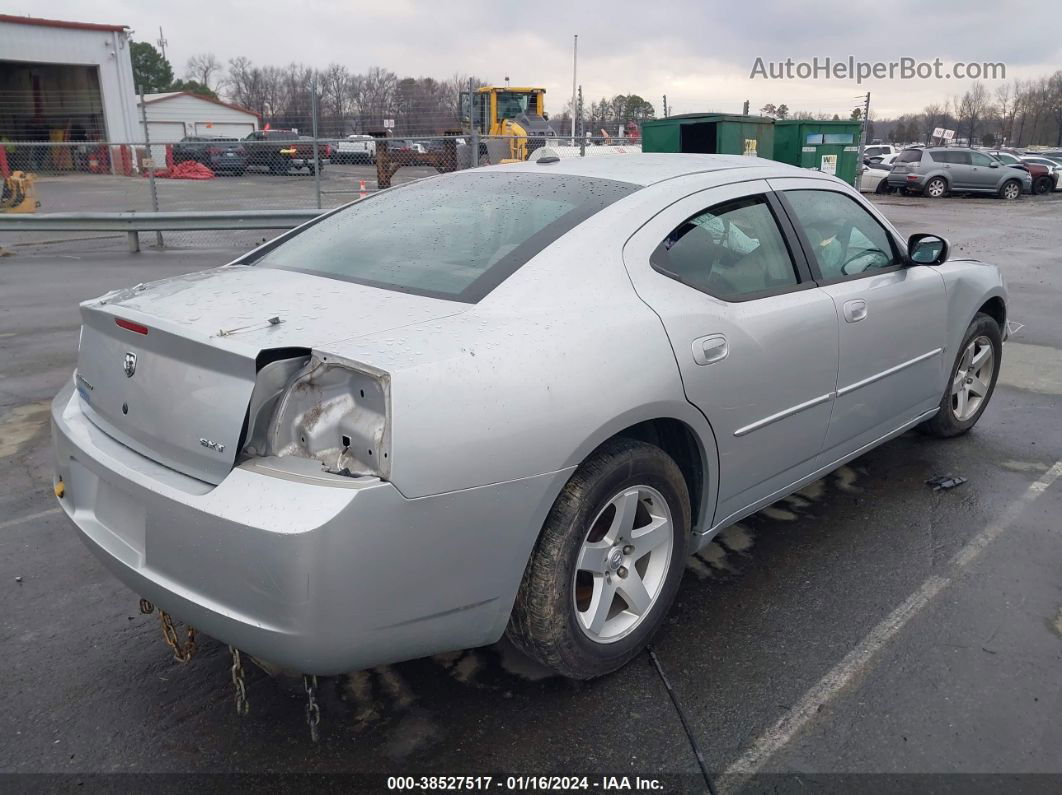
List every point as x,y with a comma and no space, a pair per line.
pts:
829,146
711,134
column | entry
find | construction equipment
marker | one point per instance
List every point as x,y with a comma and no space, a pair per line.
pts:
18,194
516,114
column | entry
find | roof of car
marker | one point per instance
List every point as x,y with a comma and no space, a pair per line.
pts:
650,168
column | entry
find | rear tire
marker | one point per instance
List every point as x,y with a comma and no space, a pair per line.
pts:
607,564
970,380
1010,190
935,188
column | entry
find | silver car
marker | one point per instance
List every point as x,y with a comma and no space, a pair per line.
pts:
939,170
505,400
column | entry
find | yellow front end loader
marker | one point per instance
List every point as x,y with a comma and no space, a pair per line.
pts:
513,119
18,194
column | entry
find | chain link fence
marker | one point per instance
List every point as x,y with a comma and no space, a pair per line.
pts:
267,169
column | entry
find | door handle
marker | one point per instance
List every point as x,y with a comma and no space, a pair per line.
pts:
855,310
710,349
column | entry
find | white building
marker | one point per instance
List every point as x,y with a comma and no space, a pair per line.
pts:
174,114
61,80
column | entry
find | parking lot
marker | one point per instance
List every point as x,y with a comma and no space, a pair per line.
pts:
866,625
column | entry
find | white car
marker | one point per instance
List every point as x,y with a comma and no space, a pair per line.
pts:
873,179
878,152
356,149
1053,165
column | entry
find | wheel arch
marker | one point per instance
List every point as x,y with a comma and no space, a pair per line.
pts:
680,431
996,308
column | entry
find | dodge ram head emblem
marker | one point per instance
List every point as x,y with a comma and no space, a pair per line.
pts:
130,364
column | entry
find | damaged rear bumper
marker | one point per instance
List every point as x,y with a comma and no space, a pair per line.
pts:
315,575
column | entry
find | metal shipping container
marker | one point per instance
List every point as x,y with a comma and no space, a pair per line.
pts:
710,133
824,145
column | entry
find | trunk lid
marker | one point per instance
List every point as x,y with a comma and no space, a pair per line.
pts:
168,368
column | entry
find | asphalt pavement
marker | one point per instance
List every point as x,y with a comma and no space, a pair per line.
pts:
866,629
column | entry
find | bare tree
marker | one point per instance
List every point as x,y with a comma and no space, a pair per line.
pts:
1004,94
972,109
205,69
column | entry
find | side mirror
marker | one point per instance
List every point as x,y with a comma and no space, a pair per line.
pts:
924,249
993,165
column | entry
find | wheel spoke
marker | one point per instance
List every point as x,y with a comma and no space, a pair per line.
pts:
977,387
593,557
623,522
958,382
645,539
960,404
632,589
600,603
980,359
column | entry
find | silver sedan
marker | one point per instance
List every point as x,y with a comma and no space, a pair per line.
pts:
507,400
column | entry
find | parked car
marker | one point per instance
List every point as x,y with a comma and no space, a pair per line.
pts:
355,149
379,453
279,151
220,155
874,178
1054,169
1043,177
875,153
937,170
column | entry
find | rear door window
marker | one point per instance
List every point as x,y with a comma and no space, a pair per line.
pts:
733,251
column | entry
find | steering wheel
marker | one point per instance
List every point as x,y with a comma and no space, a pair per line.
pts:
859,255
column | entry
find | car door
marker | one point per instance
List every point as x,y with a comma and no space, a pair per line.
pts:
754,339
985,171
890,316
956,165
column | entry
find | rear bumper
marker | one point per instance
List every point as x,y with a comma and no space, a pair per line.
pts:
315,578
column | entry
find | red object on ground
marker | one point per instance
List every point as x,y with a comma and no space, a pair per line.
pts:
189,169
169,155
5,170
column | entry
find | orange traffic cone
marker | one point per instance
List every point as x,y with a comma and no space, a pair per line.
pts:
361,189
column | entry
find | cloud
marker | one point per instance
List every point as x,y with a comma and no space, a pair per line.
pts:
698,53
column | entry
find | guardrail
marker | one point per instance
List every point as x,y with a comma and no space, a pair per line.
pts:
134,223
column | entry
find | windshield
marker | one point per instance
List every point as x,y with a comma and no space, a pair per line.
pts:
456,237
512,105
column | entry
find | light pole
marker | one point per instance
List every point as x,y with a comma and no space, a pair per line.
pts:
575,65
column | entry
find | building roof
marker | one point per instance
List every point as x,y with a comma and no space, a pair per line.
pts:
60,23
164,95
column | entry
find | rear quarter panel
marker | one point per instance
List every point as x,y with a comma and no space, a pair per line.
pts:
549,365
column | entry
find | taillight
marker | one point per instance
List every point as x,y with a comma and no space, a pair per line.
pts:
129,325
213,151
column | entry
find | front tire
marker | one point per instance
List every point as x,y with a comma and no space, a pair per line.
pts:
1043,185
607,564
972,382
1011,190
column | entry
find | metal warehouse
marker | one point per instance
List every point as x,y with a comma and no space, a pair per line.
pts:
65,81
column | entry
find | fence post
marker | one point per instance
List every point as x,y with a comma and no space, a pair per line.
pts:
472,123
151,178
582,137
316,158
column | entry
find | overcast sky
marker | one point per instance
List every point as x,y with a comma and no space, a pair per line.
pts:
697,52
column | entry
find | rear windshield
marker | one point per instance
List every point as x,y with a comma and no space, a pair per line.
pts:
909,156
455,237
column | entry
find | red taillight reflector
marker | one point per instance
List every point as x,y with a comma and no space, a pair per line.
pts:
129,325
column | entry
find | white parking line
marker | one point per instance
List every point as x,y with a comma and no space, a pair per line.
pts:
857,661
29,518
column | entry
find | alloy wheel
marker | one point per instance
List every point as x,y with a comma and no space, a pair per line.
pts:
623,563
1011,190
973,378
936,188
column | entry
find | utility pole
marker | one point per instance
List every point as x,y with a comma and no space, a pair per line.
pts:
162,42
862,138
665,106
575,66
745,109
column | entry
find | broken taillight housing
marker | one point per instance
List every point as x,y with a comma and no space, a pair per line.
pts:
325,408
